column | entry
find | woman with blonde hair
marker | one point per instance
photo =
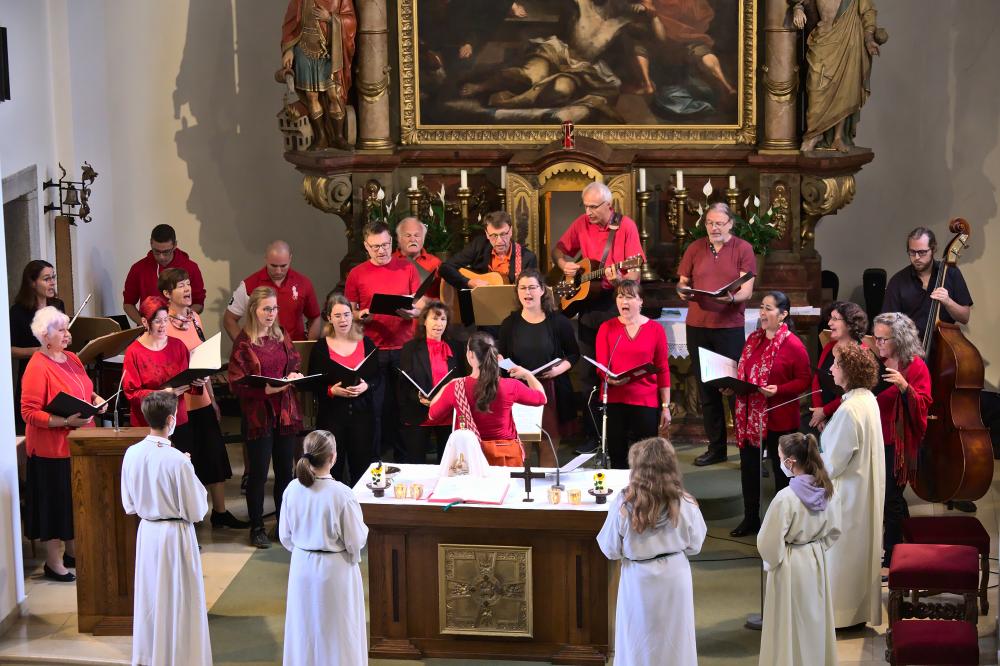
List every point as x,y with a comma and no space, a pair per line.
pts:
323,528
801,524
271,413
652,526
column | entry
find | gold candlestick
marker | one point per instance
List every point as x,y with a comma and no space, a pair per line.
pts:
464,194
676,213
414,195
647,274
732,198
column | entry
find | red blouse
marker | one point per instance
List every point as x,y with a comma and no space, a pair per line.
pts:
649,344
271,358
43,379
352,360
790,373
438,351
498,423
146,370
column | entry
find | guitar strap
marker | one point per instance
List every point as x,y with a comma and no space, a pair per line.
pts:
613,226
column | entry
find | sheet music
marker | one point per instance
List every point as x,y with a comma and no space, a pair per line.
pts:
527,419
715,366
207,355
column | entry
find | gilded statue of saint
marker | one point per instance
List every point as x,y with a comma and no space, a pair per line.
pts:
317,46
839,54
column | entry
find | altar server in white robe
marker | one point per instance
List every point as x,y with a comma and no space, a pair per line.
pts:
801,524
652,526
321,525
170,625
855,459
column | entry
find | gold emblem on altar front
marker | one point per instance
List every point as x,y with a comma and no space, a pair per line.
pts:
484,590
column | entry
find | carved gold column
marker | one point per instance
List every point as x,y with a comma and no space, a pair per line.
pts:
780,77
373,75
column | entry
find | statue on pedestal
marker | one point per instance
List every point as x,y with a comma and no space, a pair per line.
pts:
317,49
839,54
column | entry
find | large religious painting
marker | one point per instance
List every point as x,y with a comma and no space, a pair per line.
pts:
623,71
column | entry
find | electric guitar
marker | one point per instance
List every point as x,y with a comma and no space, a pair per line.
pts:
573,293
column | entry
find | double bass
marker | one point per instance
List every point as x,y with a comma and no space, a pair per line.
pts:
955,461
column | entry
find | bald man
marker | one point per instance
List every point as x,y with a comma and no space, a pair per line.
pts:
296,297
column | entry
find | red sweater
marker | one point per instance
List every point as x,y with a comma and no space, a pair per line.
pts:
917,399
43,380
498,423
146,371
790,372
142,276
397,277
649,344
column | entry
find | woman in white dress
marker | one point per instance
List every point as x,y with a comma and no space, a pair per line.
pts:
801,524
855,459
321,525
652,526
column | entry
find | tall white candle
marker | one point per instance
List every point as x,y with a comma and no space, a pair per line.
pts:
413,182
732,182
503,178
465,179
642,180
680,179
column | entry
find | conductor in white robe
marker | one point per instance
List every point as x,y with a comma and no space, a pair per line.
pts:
855,459
321,525
801,524
652,527
170,625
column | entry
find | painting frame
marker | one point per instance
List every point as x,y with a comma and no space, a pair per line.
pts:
742,132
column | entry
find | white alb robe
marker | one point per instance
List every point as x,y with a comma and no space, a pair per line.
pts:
325,616
654,617
170,625
798,607
854,454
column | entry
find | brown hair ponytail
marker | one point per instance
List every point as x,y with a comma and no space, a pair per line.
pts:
805,450
319,449
484,349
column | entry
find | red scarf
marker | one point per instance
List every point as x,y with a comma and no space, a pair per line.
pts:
751,418
910,420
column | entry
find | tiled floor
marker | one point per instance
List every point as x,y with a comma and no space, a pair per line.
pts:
48,634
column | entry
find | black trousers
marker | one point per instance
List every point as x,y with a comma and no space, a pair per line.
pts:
600,309
417,440
354,430
628,424
895,510
386,435
271,448
750,472
728,342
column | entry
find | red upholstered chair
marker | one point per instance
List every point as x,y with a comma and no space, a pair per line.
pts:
957,531
928,570
934,642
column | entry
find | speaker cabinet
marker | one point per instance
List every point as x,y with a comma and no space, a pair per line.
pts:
873,281
4,67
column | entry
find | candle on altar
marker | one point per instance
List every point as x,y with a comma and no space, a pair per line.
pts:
680,179
413,182
465,179
732,182
642,180
503,178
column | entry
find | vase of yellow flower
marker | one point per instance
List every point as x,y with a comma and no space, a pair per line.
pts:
377,485
600,491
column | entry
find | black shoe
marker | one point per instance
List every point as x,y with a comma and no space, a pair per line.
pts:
854,627
243,485
226,519
258,539
749,525
965,506
69,561
709,458
67,577
590,446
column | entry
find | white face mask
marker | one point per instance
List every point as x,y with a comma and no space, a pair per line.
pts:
787,470
171,426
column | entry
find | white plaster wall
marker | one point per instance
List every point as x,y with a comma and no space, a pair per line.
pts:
934,123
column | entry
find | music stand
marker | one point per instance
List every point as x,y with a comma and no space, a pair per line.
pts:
104,347
304,348
494,303
85,329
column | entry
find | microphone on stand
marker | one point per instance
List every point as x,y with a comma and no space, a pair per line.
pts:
114,417
558,484
605,461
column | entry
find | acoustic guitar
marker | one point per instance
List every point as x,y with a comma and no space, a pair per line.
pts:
574,293
450,295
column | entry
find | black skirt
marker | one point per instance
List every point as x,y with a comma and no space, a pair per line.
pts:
208,450
50,499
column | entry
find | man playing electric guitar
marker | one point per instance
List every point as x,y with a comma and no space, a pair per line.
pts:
604,237
495,252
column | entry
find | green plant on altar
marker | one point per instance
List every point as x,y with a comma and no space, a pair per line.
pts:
433,212
757,229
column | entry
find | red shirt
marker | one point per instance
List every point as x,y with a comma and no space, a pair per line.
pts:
296,299
270,358
707,270
43,380
649,344
146,370
352,360
429,263
584,237
142,276
365,280
438,351
790,372
498,423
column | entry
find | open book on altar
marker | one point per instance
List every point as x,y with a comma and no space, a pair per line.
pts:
470,489
720,371
206,360
726,289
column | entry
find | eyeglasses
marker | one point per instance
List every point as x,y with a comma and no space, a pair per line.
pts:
593,207
918,253
380,246
270,309
500,235
882,341
716,223
835,318
529,287
48,278
161,321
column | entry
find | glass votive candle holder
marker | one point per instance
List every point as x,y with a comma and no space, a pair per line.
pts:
399,489
575,496
555,496
417,490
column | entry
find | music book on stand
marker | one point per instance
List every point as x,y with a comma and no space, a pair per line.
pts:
637,371
108,346
491,304
720,371
87,329
206,360
349,376
433,390
732,286
66,405
388,304
470,490
507,364
528,421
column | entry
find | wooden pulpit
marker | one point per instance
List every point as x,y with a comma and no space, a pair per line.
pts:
105,535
